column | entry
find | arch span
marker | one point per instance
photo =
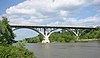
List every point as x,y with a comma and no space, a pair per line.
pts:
23,33
45,32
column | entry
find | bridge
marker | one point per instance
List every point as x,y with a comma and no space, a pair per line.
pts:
46,31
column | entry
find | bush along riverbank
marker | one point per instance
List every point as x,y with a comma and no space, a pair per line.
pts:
9,51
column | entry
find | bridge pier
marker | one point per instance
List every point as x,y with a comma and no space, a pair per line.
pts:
77,32
45,32
46,40
46,37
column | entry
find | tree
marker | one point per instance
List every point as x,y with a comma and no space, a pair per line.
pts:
63,36
6,33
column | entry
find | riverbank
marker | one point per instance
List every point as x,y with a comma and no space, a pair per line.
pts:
88,40
81,40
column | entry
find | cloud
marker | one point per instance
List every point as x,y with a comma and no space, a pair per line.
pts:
14,10
48,12
96,2
34,6
90,21
40,11
63,13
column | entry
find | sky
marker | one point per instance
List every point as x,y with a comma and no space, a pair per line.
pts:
50,12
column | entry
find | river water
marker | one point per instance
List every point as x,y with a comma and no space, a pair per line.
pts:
65,50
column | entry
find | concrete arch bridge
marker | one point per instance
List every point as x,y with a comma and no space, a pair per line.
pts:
46,31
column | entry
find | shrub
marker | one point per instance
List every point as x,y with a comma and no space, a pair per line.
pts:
69,38
15,52
22,43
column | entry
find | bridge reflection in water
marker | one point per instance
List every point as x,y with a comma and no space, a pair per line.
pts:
46,31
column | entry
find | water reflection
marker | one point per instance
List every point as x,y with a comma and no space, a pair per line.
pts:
66,50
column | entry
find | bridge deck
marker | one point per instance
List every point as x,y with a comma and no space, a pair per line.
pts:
63,27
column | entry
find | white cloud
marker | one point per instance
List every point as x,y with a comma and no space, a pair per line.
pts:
67,3
36,20
64,13
96,1
37,9
47,12
90,21
13,10
33,6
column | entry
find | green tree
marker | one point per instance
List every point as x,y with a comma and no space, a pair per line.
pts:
15,52
97,34
6,33
63,36
35,39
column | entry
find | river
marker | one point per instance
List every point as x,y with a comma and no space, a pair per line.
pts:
65,50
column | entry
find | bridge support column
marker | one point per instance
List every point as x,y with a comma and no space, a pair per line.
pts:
76,32
45,32
46,39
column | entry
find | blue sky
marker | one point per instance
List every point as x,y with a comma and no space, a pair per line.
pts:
49,12
4,4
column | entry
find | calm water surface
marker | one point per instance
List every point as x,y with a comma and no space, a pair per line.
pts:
65,50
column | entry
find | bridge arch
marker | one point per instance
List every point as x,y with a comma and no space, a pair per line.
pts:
23,33
28,28
45,32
